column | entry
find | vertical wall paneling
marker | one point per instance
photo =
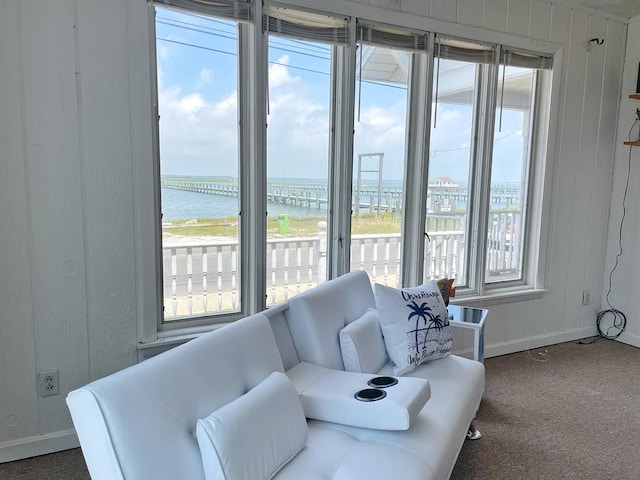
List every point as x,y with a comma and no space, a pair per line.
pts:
55,201
540,20
560,24
495,332
470,12
567,166
586,147
416,7
387,4
18,398
535,322
518,17
514,330
107,169
596,274
444,10
495,15
561,17
625,280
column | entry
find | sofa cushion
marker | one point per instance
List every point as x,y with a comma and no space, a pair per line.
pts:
316,317
362,344
414,323
255,435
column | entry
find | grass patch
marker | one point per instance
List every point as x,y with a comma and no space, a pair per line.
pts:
369,223
298,226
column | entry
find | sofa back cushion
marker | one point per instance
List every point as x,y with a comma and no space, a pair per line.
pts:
141,421
362,345
316,317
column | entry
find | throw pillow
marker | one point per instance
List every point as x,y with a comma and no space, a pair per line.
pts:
255,435
362,344
414,324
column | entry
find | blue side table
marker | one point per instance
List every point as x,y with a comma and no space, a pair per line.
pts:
473,318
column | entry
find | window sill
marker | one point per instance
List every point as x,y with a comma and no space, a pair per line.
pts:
172,338
502,296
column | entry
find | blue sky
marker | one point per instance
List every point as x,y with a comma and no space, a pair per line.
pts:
198,102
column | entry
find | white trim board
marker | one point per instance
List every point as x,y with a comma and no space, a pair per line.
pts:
629,339
38,445
516,346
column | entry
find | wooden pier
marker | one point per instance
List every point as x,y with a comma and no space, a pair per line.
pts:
314,195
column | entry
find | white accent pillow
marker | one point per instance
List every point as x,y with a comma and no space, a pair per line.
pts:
254,436
414,323
362,344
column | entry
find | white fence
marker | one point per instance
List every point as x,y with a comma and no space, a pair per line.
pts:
204,279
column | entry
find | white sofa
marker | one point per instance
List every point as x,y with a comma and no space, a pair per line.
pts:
140,423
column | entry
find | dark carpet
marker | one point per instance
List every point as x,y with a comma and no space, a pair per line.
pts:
574,416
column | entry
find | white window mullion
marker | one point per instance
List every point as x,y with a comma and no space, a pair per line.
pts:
153,310
485,127
343,76
417,166
253,173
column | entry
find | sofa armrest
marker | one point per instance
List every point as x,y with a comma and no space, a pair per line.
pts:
329,395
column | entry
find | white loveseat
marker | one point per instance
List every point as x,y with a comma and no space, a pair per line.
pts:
140,423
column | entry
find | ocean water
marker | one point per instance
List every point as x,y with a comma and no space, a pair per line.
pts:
183,205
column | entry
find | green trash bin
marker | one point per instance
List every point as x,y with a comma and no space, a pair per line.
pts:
283,223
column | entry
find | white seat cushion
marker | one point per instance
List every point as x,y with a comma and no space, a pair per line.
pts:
427,451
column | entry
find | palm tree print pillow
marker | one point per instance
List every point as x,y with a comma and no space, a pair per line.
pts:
414,323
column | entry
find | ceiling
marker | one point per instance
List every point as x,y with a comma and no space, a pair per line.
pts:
622,8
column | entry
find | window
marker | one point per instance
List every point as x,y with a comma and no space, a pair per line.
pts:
451,161
378,162
197,78
510,175
383,70
295,145
297,166
479,162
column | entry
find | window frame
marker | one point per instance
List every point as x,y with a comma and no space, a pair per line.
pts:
252,158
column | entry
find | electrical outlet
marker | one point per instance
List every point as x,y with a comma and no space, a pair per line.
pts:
586,297
48,383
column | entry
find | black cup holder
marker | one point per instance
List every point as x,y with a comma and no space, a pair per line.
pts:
370,395
382,382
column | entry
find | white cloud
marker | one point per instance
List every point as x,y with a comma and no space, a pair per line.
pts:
199,135
191,103
205,78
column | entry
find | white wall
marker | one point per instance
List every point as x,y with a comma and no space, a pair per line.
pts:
74,131
625,280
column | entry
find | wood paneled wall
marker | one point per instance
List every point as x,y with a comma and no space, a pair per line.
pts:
626,280
74,150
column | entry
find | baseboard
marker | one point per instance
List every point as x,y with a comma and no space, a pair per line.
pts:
514,346
630,339
38,445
